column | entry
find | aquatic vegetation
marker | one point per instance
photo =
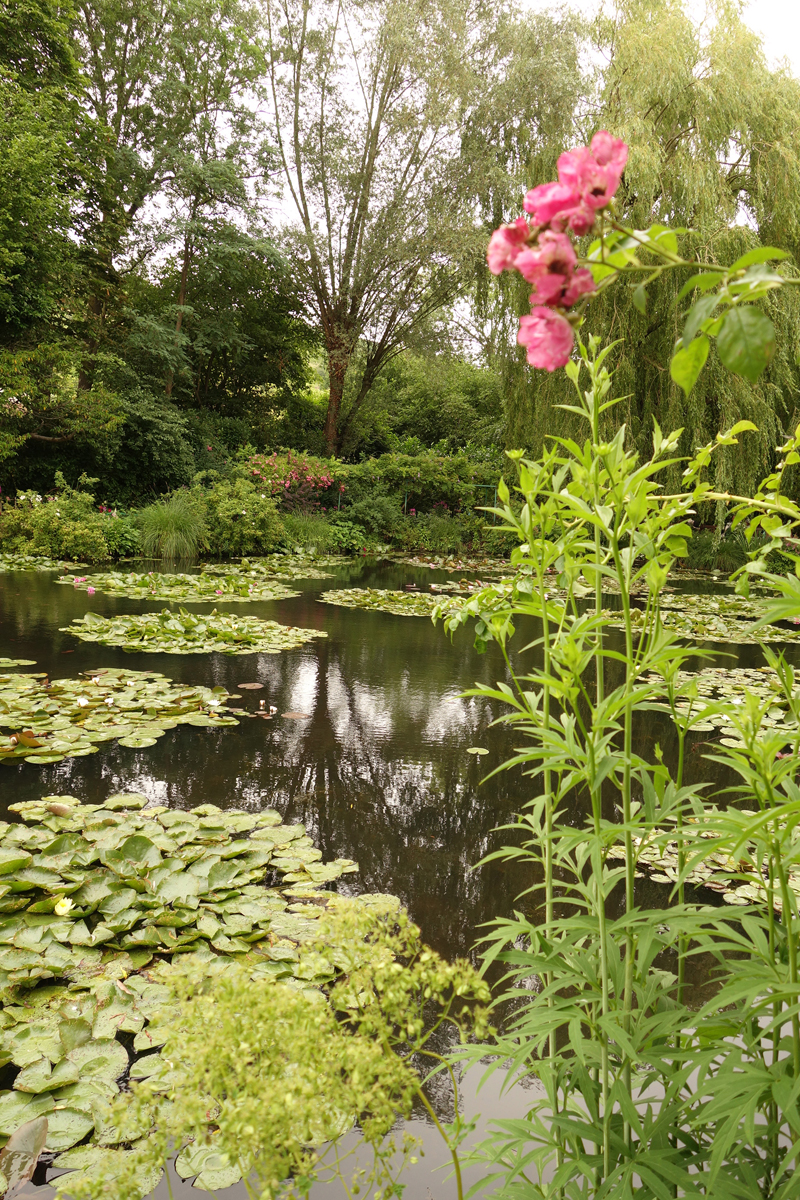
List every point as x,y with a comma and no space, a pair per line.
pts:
33,562
182,632
289,566
438,562
401,604
96,901
70,718
721,685
737,879
223,587
719,618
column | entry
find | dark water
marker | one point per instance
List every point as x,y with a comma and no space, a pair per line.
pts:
378,771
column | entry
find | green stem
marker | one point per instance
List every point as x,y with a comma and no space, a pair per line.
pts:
446,1140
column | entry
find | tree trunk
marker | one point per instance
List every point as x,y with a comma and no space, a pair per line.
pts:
339,345
187,257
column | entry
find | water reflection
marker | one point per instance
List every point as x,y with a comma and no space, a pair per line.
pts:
377,770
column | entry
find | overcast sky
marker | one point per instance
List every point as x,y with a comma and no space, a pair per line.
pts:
777,21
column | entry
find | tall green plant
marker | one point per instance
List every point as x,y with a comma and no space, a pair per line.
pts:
644,1093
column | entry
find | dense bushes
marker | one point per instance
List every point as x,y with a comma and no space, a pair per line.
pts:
67,525
240,519
415,502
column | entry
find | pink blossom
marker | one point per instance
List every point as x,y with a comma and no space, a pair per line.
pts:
504,245
579,219
553,253
548,200
609,151
579,285
594,180
90,591
548,338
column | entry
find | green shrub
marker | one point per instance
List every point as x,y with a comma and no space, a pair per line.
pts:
240,519
173,528
379,514
319,535
66,525
122,534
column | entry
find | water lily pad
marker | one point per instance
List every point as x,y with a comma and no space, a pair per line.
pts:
401,604
212,1169
66,1127
103,1059
16,1108
182,632
19,1156
42,1077
33,562
477,750
70,717
223,586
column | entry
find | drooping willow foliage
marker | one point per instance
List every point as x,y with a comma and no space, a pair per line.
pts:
715,148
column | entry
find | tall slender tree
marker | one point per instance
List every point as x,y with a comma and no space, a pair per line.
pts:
381,114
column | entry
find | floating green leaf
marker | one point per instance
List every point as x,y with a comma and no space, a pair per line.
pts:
182,632
137,887
284,566
402,604
68,718
33,562
230,586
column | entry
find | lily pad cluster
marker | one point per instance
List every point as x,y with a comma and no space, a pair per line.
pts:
718,618
402,604
734,879
95,903
182,632
32,562
724,685
232,586
435,562
285,566
45,722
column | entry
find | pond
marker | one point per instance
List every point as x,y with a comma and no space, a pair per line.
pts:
373,759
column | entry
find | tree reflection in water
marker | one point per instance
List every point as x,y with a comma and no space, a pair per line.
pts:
378,771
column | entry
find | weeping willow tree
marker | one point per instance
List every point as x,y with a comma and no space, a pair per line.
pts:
715,147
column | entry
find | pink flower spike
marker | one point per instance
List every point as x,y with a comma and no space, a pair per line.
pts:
504,245
548,200
548,338
90,591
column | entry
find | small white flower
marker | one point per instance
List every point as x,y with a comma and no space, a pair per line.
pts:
63,906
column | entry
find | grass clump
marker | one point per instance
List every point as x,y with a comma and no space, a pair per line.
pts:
173,528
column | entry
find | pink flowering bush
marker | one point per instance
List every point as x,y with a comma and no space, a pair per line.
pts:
541,247
296,481
543,252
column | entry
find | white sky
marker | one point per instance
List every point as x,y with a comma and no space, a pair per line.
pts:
777,22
